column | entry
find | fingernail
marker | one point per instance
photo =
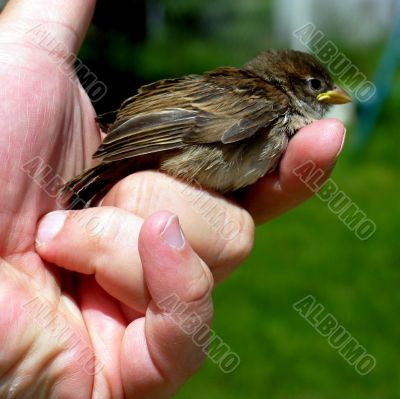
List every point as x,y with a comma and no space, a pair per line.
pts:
50,226
172,233
342,143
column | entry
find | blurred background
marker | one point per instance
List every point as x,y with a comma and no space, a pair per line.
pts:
308,251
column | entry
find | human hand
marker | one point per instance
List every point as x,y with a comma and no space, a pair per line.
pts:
62,337
55,121
107,248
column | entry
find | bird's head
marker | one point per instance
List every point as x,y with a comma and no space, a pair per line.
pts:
302,77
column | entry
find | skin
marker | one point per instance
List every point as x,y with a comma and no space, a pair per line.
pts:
44,113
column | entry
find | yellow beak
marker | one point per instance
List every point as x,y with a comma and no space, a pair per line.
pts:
335,96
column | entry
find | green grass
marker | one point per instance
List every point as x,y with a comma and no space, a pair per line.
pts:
310,251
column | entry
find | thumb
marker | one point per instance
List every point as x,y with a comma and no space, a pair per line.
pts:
101,242
180,286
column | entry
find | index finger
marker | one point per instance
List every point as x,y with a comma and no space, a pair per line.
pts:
316,146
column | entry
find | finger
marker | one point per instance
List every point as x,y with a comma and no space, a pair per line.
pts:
101,242
64,21
106,326
311,152
180,285
220,231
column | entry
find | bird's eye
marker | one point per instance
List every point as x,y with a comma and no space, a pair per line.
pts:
315,84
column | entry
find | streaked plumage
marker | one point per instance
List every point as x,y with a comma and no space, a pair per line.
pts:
224,129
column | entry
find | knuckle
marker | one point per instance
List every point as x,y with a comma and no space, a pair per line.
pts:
125,193
137,193
236,247
199,313
198,290
102,230
101,227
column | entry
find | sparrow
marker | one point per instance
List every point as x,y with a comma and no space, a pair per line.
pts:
224,129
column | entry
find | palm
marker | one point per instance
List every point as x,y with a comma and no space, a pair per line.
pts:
73,336
61,335
48,129
44,114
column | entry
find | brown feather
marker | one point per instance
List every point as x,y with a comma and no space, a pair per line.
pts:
226,128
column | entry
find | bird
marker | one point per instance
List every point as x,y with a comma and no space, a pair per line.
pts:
223,129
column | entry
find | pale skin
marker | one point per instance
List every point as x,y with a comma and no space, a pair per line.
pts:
138,258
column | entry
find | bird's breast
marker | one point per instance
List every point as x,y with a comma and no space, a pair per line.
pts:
228,167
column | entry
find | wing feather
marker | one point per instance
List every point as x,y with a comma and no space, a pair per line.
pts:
226,105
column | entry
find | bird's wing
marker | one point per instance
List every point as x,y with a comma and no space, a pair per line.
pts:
225,105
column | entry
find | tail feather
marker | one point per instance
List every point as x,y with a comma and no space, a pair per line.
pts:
83,189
